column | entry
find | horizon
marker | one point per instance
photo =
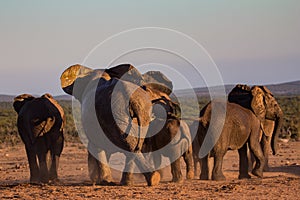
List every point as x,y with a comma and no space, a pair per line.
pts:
256,43
180,90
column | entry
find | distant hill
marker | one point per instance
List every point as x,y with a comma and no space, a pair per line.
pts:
10,98
288,89
6,98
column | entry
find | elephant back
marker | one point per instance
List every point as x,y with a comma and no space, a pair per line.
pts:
241,94
126,72
158,81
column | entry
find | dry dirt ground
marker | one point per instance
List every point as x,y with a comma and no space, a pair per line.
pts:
282,182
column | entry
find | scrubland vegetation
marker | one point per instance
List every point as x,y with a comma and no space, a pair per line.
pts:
9,132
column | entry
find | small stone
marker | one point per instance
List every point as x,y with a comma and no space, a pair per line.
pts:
287,162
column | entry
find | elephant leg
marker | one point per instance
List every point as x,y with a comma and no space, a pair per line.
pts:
260,159
98,167
188,159
56,149
152,177
33,166
204,168
99,170
127,175
93,168
265,145
196,164
105,171
157,162
251,159
217,173
42,152
243,162
176,171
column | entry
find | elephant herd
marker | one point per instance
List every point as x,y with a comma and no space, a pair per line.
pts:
125,111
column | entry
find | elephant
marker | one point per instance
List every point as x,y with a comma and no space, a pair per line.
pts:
170,138
240,127
40,124
262,103
116,110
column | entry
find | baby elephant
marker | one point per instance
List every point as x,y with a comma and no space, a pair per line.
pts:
241,126
40,124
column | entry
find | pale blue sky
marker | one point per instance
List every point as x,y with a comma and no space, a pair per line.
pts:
254,42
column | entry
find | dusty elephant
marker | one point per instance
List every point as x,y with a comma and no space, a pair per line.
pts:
263,104
170,137
116,106
40,124
241,126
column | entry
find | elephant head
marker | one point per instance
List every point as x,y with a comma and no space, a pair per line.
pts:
266,107
21,100
261,101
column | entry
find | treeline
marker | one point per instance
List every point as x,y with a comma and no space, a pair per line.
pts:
9,132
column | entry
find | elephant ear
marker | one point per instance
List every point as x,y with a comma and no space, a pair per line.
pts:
273,109
21,100
76,78
70,75
55,103
266,90
126,72
158,81
257,103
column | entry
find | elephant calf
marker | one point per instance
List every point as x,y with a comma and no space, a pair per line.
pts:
172,141
241,126
40,124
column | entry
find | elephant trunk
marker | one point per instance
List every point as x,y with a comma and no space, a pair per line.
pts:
276,132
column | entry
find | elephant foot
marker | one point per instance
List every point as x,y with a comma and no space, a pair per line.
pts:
258,173
44,179
190,175
127,179
53,177
34,180
153,178
54,181
218,177
107,183
266,168
177,179
203,176
244,176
